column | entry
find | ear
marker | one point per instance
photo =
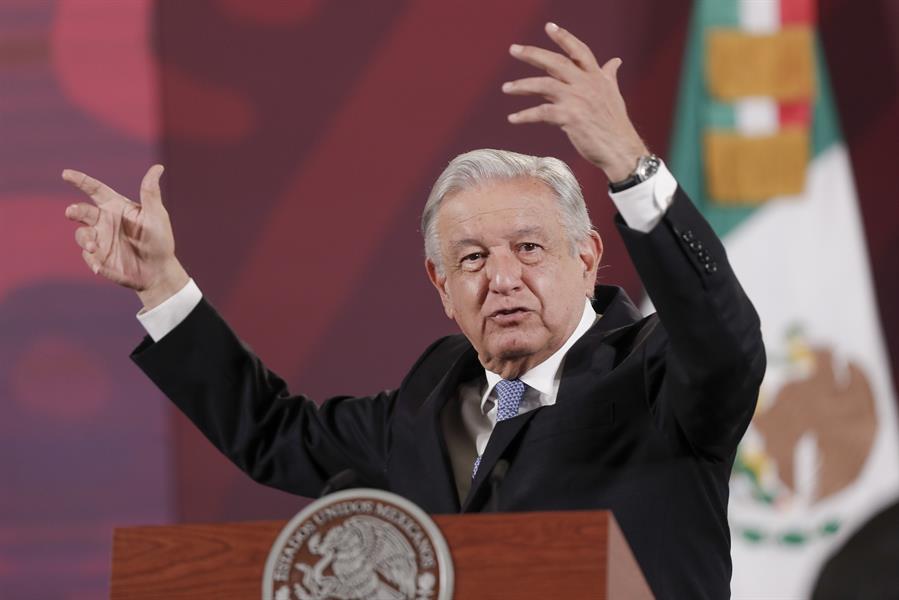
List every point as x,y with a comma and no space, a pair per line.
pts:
591,255
438,280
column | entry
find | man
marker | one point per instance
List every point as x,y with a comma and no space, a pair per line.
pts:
590,405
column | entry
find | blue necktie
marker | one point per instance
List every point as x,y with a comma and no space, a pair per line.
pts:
510,392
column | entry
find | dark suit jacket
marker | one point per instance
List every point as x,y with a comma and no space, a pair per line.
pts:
646,422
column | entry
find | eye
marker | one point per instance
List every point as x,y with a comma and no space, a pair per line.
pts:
472,261
530,253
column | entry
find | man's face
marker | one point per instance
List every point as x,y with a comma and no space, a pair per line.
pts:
510,279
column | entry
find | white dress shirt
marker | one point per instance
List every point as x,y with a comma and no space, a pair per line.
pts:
467,431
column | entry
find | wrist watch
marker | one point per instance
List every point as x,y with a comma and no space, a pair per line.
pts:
646,167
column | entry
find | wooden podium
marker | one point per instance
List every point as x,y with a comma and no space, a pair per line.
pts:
495,556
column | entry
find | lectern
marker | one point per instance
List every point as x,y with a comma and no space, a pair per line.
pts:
580,554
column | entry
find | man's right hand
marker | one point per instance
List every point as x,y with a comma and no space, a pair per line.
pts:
131,244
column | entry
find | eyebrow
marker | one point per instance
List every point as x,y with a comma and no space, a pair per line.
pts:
518,233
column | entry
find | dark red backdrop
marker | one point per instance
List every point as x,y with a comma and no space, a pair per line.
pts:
300,140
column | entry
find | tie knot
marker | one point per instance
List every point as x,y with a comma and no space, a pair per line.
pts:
509,392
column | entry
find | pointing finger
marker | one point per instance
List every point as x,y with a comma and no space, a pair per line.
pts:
150,194
576,50
553,63
547,87
85,213
96,189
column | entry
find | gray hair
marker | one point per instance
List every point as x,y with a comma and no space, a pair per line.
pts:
477,167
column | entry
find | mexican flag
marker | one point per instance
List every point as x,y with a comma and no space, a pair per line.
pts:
757,146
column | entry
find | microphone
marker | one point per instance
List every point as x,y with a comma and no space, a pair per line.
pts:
341,481
496,478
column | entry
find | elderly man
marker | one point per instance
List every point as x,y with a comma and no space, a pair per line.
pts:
589,404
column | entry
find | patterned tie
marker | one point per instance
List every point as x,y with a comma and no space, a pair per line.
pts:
510,392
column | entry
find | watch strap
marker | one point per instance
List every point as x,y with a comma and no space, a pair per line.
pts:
647,166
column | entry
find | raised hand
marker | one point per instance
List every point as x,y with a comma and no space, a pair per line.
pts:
583,99
128,243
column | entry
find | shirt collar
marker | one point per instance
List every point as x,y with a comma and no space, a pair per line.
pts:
542,377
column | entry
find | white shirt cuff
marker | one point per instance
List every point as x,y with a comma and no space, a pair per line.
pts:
643,205
160,320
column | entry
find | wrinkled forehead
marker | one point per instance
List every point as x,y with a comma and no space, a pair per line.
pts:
510,204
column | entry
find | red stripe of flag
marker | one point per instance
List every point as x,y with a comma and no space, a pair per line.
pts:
798,12
795,113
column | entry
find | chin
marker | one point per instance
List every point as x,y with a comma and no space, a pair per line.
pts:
513,354
513,350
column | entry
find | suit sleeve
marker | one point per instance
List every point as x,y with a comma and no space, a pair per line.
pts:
703,376
246,411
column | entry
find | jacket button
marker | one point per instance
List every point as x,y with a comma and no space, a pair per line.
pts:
711,267
704,255
687,236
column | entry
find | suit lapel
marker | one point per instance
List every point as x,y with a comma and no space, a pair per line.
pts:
503,435
430,436
595,354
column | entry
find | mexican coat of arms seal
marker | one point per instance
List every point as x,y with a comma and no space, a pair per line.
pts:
359,544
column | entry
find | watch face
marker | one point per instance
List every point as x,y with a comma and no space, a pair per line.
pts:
647,167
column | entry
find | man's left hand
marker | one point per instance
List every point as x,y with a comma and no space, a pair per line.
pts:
583,99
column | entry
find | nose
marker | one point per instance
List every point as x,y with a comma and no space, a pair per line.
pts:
503,272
